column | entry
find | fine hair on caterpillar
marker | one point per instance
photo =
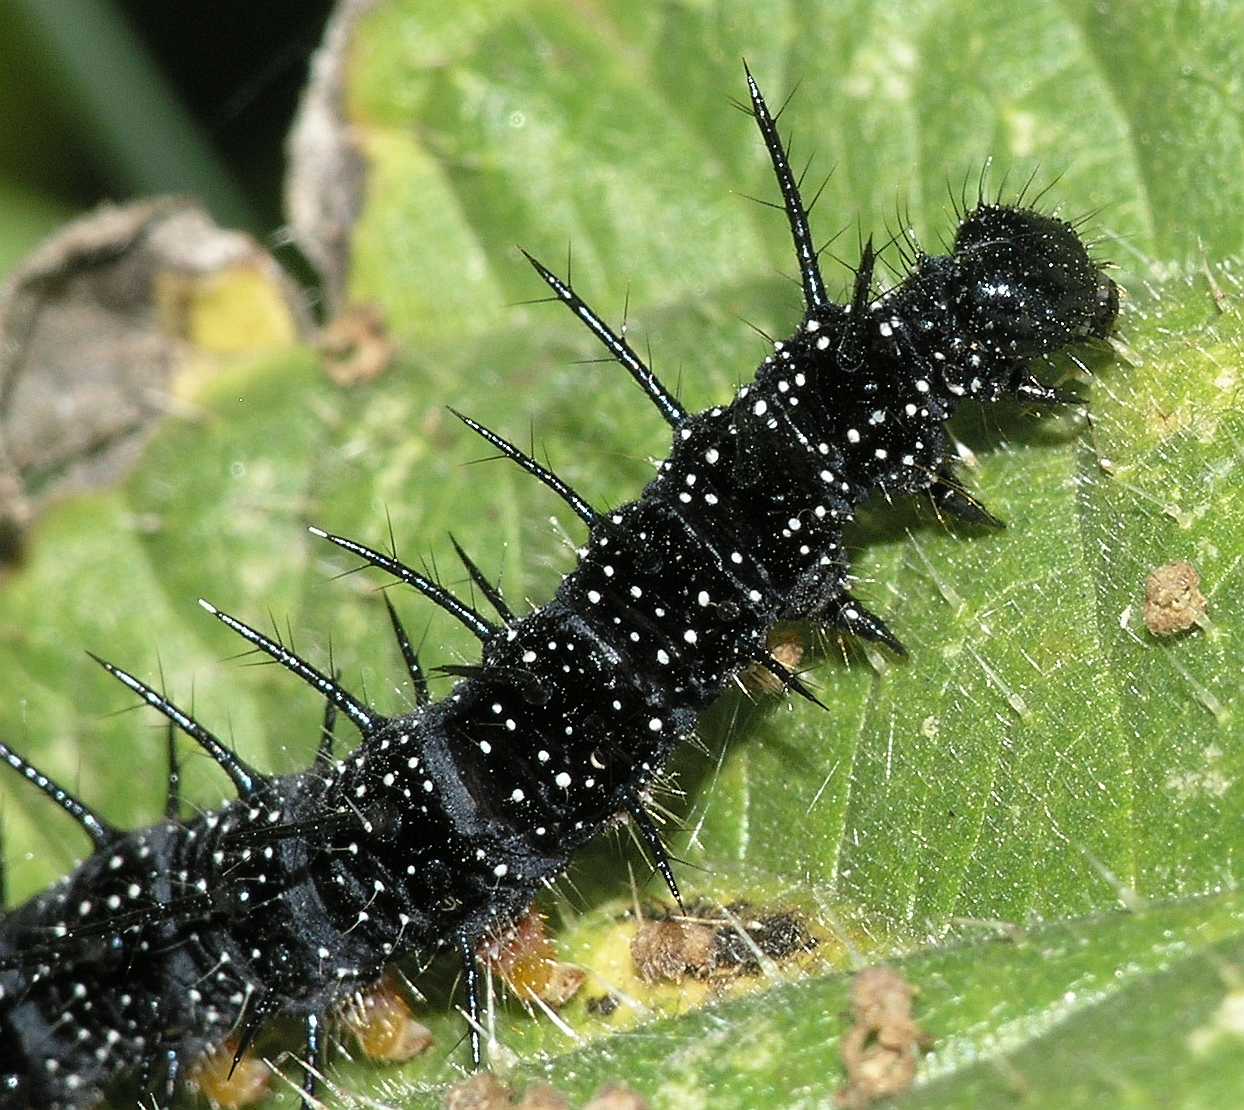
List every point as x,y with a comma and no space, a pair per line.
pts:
444,822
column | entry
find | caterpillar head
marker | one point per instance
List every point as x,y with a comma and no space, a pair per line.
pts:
1027,286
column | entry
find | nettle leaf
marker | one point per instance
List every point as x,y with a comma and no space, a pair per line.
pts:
1037,817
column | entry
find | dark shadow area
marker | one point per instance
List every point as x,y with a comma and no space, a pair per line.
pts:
235,70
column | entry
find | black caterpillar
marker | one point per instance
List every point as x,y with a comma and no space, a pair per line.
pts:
443,823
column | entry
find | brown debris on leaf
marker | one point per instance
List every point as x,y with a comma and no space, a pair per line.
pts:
671,950
543,1097
1173,599
524,957
383,1025
881,1049
712,945
486,1092
356,346
229,1086
99,326
483,1091
603,1005
616,1097
769,936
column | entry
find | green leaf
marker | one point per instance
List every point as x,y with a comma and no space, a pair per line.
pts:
1041,769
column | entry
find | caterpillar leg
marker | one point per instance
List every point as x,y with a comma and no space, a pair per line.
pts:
168,1065
949,496
847,614
172,1076
470,969
314,1033
1035,393
819,597
787,678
